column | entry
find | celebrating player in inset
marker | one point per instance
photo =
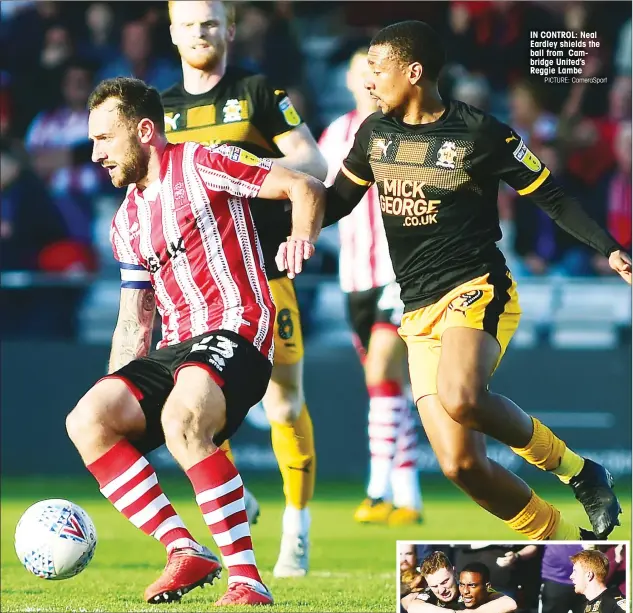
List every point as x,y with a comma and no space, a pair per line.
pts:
444,591
474,586
591,568
216,103
437,165
375,311
187,245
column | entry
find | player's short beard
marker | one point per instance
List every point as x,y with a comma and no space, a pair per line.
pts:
135,166
210,60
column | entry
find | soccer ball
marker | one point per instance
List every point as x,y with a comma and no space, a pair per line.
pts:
55,539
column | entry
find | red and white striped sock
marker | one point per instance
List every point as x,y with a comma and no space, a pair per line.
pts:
220,495
130,483
405,483
386,404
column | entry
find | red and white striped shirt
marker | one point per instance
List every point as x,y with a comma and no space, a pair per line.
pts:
364,260
190,236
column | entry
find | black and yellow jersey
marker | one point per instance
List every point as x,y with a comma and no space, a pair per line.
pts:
438,185
427,596
457,604
610,601
242,110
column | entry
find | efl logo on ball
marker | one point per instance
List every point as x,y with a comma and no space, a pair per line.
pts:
55,539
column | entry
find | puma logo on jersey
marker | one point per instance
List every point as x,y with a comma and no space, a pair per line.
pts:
511,138
172,121
383,147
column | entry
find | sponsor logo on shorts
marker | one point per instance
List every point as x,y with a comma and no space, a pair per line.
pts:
463,301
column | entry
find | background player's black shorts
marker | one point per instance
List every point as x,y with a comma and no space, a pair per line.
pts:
243,371
378,305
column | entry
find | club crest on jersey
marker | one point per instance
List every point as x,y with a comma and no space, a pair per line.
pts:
180,194
446,155
526,157
622,603
289,112
234,110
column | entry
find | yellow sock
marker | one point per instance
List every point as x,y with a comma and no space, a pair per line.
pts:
547,452
227,449
570,465
566,531
539,520
293,445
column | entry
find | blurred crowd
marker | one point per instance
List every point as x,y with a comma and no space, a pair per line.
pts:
537,577
53,53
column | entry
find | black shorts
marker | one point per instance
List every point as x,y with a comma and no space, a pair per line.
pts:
234,363
376,307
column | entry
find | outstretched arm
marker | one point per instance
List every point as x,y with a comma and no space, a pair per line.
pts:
502,153
571,217
133,333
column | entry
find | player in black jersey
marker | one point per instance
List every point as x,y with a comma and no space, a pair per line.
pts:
474,586
591,568
216,103
437,165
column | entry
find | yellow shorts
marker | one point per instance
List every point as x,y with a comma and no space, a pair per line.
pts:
483,304
288,337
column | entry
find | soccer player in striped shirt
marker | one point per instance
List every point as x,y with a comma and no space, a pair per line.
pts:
187,245
217,102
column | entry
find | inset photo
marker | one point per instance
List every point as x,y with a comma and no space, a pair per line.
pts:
554,577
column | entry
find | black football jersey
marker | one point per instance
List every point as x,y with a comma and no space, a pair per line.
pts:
242,110
438,185
610,601
457,604
427,595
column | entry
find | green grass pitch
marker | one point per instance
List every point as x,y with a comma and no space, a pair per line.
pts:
352,566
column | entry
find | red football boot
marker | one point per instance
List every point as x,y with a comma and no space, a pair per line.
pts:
186,569
243,593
